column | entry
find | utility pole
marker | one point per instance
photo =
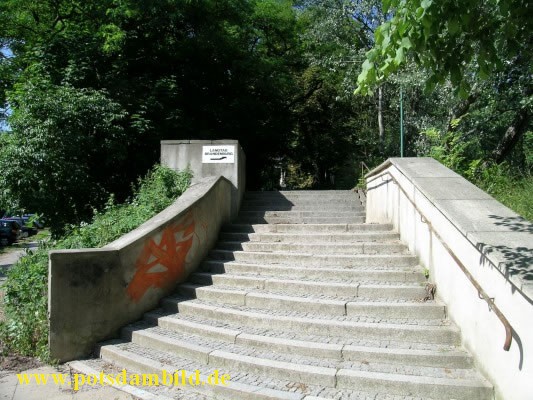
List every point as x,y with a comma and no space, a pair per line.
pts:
401,121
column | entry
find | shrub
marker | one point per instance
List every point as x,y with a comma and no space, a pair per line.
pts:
507,183
25,330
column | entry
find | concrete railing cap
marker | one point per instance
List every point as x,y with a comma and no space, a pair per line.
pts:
503,237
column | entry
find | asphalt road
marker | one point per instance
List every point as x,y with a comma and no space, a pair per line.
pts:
11,254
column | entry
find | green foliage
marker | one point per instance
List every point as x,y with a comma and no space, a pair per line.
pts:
512,189
64,153
154,193
175,69
296,179
26,328
509,185
452,149
448,38
528,150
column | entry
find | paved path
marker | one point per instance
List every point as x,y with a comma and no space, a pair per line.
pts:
12,389
11,255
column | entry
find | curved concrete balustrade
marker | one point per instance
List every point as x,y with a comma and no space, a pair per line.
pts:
490,240
95,292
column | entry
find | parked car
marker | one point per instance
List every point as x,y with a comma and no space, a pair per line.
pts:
34,221
10,231
26,230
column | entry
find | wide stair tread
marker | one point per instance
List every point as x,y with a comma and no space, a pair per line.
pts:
242,385
392,247
401,307
316,228
229,330
340,238
313,260
199,347
280,375
442,329
391,272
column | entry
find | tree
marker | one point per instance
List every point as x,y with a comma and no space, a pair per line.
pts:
65,151
172,69
465,42
450,39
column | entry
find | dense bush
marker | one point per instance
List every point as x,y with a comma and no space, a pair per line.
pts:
511,185
25,330
508,187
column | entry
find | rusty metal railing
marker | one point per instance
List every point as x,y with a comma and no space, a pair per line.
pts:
481,293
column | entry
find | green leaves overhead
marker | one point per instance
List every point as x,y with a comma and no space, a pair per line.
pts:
170,69
66,147
449,39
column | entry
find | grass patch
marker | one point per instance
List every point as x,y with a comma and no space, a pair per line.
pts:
43,234
514,191
25,330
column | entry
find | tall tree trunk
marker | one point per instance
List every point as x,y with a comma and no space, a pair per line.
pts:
461,109
380,120
512,136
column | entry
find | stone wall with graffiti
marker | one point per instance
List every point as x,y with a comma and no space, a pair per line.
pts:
95,292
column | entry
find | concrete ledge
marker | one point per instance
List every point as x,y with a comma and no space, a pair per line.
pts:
94,292
182,154
494,244
502,237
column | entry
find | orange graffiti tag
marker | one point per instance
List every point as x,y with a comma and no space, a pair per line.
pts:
161,265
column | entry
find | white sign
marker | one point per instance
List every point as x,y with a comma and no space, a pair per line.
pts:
218,154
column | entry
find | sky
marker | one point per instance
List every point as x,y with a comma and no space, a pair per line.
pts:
6,52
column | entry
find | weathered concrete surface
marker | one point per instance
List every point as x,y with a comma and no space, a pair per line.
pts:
94,292
182,154
12,389
494,243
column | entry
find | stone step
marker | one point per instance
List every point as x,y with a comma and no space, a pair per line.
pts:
287,193
387,274
314,260
303,203
301,214
306,228
98,366
437,388
199,348
137,359
326,248
310,323
307,208
318,346
241,385
332,219
419,380
309,237
332,286
301,196
310,302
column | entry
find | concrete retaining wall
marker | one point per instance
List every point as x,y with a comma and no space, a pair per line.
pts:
95,292
182,154
494,243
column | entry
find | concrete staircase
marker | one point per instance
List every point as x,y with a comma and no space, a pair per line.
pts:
302,300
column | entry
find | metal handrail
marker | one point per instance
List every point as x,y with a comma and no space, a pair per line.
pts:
481,293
